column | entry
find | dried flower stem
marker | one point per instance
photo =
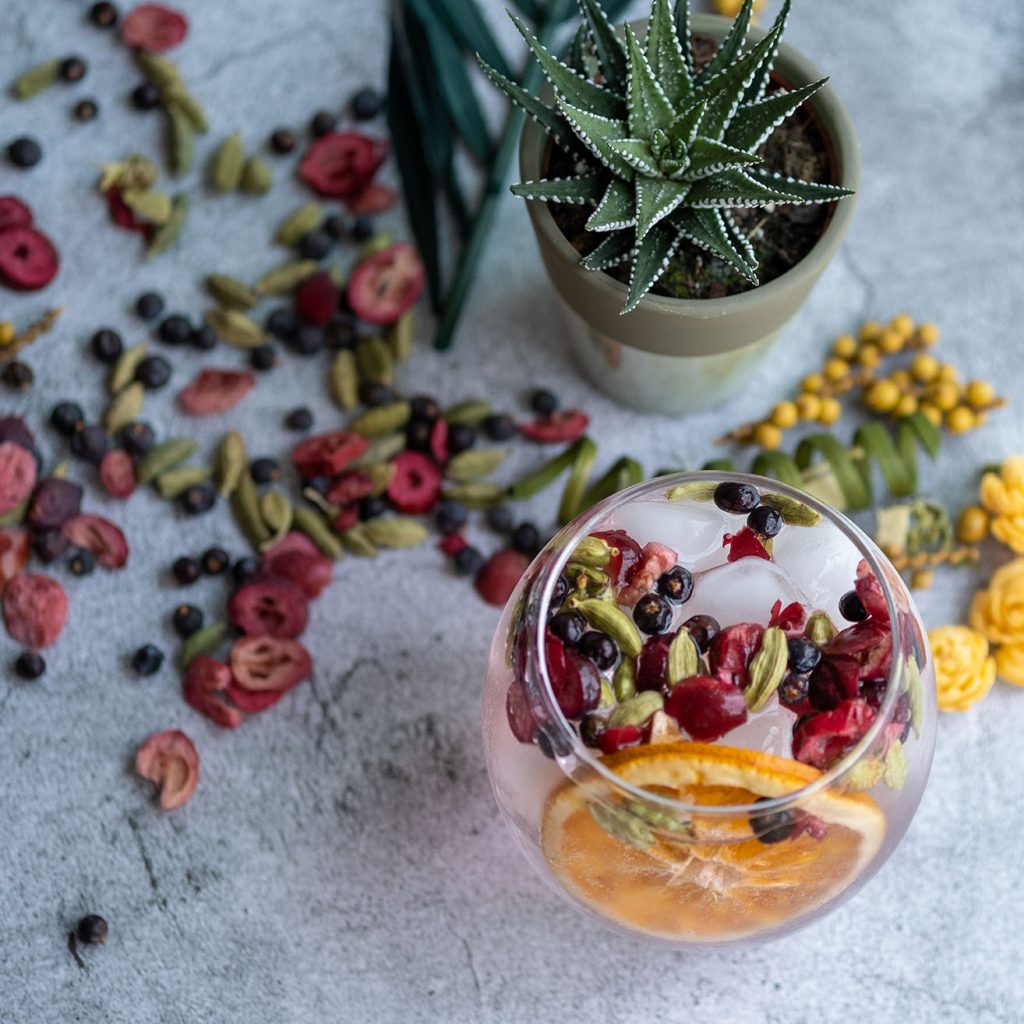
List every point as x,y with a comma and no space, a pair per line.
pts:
33,332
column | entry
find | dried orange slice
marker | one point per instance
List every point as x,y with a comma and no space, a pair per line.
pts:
710,878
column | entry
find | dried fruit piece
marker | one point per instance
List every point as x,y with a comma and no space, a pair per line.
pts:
822,739
499,576
205,687
327,454
521,718
269,607
154,27
869,590
652,662
745,544
17,475
350,486
342,164
732,650
416,486
35,609
123,215
654,560
297,560
626,554
215,391
263,664
100,536
14,213
706,707
612,740
558,426
869,643
28,259
117,473
373,199
15,429
791,619
170,760
384,285
14,550
316,299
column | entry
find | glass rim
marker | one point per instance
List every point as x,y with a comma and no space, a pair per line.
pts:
585,523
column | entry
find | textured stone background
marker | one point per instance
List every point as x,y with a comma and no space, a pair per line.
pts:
342,859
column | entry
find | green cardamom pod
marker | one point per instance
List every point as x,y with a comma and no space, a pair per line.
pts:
285,278
478,494
311,523
611,619
793,512
373,358
913,685
607,699
594,552
589,582
401,336
658,818
123,371
231,462
864,775
163,73
203,641
257,177
32,82
767,668
164,456
135,172
683,658
624,679
356,541
473,464
376,243
16,515
896,766
234,327
636,710
176,482
572,496
169,232
245,504
177,94
231,292
277,513
622,825
472,412
819,629
298,223
226,167
180,140
382,419
344,379
695,490
381,474
315,498
395,532
380,449
545,475
124,407
148,204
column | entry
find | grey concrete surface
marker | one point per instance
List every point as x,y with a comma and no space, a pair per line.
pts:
342,859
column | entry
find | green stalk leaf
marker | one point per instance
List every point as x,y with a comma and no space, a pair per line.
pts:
849,475
572,497
929,435
779,466
625,472
467,24
900,474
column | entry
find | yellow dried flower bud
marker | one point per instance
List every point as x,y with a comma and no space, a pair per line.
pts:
924,368
903,325
944,396
972,525
836,370
980,394
883,396
949,373
844,346
808,405
930,413
906,406
869,330
7,332
922,579
813,382
785,415
902,379
891,341
831,410
767,435
869,355
960,420
928,334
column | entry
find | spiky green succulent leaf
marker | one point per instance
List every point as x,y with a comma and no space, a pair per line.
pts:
656,198
637,154
585,188
648,106
598,133
754,122
614,248
709,230
709,157
734,188
665,55
730,46
758,87
799,191
577,55
650,261
681,16
611,57
617,208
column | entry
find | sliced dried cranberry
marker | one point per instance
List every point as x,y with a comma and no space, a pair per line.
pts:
297,560
14,550
35,609
384,285
205,687
869,643
791,619
564,426
170,760
14,428
53,503
117,473
452,543
100,536
732,650
14,213
439,441
268,663
619,737
123,215
350,486
316,299
744,544
620,565
154,27
416,486
327,454
819,740
652,663
500,575
215,391
869,590
575,681
654,559
269,608
521,719
373,199
342,164
707,708
346,518
18,470
28,259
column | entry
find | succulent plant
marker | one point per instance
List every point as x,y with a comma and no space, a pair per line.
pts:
666,151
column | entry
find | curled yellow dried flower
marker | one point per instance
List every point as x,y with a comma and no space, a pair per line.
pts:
964,669
1002,496
1010,663
998,610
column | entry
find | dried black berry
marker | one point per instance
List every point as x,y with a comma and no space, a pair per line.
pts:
72,69
371,506
24,152
299,419
244,569
30,665
702,629
676,585
543,402
92,930
568,626
147,660
49,545
65,416
467,561
365,104
308,340
85,110
263,357
153,372
334,225
340,333
185,570
264,471
736,498
372,394
460,437
283,323
175,330
198,499
418,432
601,649
314,245
851,607
526,538
591,727
215,561
825,688
558,595
137,438
500,427
772,826
322,122
103,14
145,96
361,229
282,141
106,345
187,618
652,614
451,516
89,442
803,655
792,690
82,562
500,518
149,305
204,338
425,406
17,376
765,520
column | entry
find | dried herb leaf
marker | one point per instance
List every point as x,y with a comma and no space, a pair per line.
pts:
32,82
286,277
298,223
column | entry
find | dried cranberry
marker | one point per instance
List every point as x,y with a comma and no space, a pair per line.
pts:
124,216
521,719
619,737
386,284
350,486
100,536
269,608
790,620
416,486
744,544
117,473
375,198
53,503
500,575
869,643
35,609
14,213
205,688
557,427
153,27
579,689
732,650
626,554
14,549
652,663
655,559
49,545
18,470
170,760
452,543
28,259
342,164
869,590
833,681
215,391
297,560
702,629
264,664
316,299
327,454
346,518
707,708
819,740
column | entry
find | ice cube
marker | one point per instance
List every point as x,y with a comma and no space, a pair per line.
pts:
770,731
694,531
742,591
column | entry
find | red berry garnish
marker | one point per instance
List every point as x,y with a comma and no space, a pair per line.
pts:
28,259
439,441
117,473
327,454
655,559
500,575
869,590
100,536
266,664
384,285
652,663
791,619
269,607
18,471
620,565
619,737
350,486
53,503
215,391
14,213
821,739
744,544
452,543
521,719
869,643
205,688
833,680
373,199
416,486
14,550
559,427
123,215
341,165
153,27
732,650
316,299
35,609
297,560
170,760
707,708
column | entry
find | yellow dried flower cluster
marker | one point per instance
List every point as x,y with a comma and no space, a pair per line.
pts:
1001,496
964,669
